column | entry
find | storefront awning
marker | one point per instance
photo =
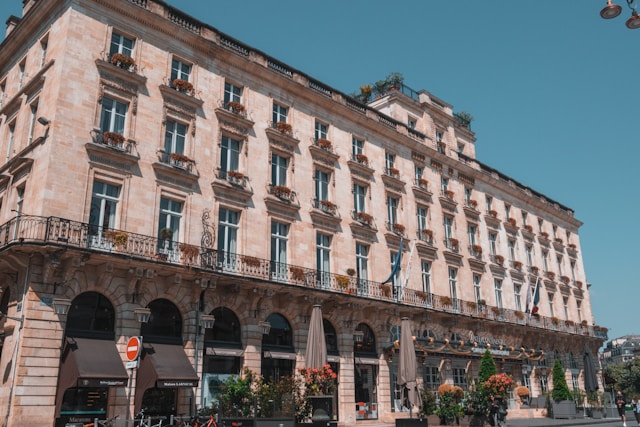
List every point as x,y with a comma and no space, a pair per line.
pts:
279,355
231,352
163,365
89,362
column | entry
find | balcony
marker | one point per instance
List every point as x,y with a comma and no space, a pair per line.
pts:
67,234
112,149
232,186
233,118
322,151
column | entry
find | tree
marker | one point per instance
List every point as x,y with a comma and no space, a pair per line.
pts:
487,367
560,388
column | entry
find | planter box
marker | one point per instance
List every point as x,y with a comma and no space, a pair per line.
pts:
411,422
564,409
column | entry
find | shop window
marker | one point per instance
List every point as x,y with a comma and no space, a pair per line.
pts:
91,315
165,323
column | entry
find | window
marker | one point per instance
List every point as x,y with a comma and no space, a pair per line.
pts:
426,277
489,202
3,93
11,139
453,287
389,161
279,238
20,201
321,131
411,123
232,93
459,377
174,137
229,155
529,253
559,262
113,116
44,45
550,295
507,211
517,289
540,223
357,146
103,210
33,115
448,229
359,197
471,231
228,221
439,136
545,263
477,289
280,113
579,309
121,44
467,195
573,270
493,237
418,172
180,70
524,218
362,263
512,249
170,216
421,213
322,185
431,378
279,167
444,185
323,251
565,306
554,229
21,68
497,286
392,210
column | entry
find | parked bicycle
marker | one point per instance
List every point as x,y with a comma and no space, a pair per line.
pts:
193,421
102,423
141,421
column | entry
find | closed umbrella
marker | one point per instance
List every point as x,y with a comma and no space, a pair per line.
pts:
316,356
590,380
407,365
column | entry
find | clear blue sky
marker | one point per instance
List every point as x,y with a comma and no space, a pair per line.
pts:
551,86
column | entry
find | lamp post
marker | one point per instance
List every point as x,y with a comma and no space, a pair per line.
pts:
613,10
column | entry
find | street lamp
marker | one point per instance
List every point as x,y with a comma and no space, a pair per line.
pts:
613,10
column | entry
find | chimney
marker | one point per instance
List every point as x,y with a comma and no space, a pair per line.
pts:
12,23
26,5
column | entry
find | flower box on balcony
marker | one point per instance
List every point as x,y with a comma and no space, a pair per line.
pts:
559,240
235,174
398,228
551,275
529,228
119,238
342,281
471,305
453,243
519,315
496,310
449,194
182,86
499,259
393,171
236,107
327,206
579,284
517,265
423,183
324,144
511,221
385,290
421,295
493,213
361,158
189,252
250,261
177,157
445,300
473,203
544,235
122,61
477,249
282,191
112,138
569,323
364,217
572,246
555,321
584,323
297,274
534,269
565,279
284,127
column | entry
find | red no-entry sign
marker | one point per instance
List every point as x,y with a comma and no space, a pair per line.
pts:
133,348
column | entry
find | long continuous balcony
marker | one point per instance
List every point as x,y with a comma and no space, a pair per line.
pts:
64,233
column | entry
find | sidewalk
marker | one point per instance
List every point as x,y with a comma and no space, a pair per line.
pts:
544,422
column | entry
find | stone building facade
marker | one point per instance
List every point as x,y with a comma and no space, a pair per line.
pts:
158,172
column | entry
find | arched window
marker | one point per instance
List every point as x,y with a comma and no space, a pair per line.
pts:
280,335
165,323
331,338
368,344
226,329
91,315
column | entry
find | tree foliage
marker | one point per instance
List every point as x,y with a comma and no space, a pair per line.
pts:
560,388
487,367
626,376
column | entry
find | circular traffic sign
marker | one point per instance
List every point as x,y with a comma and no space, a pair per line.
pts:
133,348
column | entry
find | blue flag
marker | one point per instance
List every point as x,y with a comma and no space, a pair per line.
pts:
396,264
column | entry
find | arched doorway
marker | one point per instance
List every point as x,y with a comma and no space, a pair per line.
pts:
90,363
278,353
366,374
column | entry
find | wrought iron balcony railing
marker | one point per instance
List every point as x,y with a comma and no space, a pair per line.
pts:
37,230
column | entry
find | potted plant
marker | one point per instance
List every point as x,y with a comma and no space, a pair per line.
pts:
499,259
385,290
342,281
423,183
477,249
189,252
236,107
398,228
123,61
449,408
463,118
445,300
393,171
523,394
166,233
112,138
182,86
427,234
364,217
350,272
282,191
449,194
284,127
324,144
563,405
493,213
472,305
511,221
362,159
297,274
517,265
365,93
529,228
473,203
250,261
